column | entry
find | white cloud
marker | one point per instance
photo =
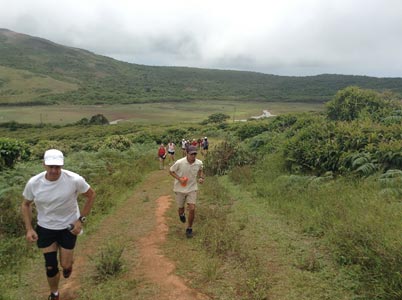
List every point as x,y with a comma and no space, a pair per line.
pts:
288,37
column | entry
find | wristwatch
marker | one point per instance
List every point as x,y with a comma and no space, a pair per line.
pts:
82,219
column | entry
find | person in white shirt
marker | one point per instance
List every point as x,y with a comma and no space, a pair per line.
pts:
186,171
171,150
183,147
59,219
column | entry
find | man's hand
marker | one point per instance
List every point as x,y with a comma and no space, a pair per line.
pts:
31,235
77,228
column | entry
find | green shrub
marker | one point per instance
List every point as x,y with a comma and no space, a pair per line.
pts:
352,103
173,134
361,147
282,122
12,150
391,184
143,137
227,155
39,149
117,142
389,154
108,262
11,221
250,129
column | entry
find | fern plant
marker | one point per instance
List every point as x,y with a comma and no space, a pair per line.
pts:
391,182
361,163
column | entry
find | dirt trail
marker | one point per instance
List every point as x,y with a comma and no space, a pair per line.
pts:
157,267
151,265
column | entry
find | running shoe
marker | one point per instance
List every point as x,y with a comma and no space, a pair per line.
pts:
53,296
67,272
183,218
189,233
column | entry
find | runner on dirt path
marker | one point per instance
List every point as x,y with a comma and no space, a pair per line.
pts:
171,150
183,147
162,156
185,171
54,192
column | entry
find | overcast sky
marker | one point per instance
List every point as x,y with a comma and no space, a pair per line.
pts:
282,37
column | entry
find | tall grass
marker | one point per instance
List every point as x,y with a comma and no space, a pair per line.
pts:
108,262
220,237
361,228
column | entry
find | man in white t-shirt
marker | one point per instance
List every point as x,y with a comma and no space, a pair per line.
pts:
185,171
59,219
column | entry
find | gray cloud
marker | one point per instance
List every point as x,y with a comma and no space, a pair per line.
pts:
289,37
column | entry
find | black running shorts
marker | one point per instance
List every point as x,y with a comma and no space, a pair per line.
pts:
64,238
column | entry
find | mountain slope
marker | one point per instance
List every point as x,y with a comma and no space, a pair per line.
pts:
19,87
92,79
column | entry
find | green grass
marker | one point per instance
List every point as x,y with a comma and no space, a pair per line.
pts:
151,113
23,86
359,226
242,250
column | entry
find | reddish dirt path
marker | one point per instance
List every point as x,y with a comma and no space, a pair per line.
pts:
157,267
145,239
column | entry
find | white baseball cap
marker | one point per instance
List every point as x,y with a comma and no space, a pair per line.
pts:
53,157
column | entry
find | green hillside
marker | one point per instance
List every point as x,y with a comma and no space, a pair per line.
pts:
20,86
53,73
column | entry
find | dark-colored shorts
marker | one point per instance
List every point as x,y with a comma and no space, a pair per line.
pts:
63,237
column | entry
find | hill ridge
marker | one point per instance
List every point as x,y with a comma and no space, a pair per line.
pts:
105,80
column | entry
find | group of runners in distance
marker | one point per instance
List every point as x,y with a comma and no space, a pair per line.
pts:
169,150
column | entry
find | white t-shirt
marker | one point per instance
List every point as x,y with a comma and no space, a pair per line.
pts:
183,168
171,147
56,201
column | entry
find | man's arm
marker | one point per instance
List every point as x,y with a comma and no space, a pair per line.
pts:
90,195
174,175
26,211
201,176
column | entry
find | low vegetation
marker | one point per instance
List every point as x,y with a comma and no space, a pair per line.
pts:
300,206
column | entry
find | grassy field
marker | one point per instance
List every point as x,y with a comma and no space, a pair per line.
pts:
21,86
161,113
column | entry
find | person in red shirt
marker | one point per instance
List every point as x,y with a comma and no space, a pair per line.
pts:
162,156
